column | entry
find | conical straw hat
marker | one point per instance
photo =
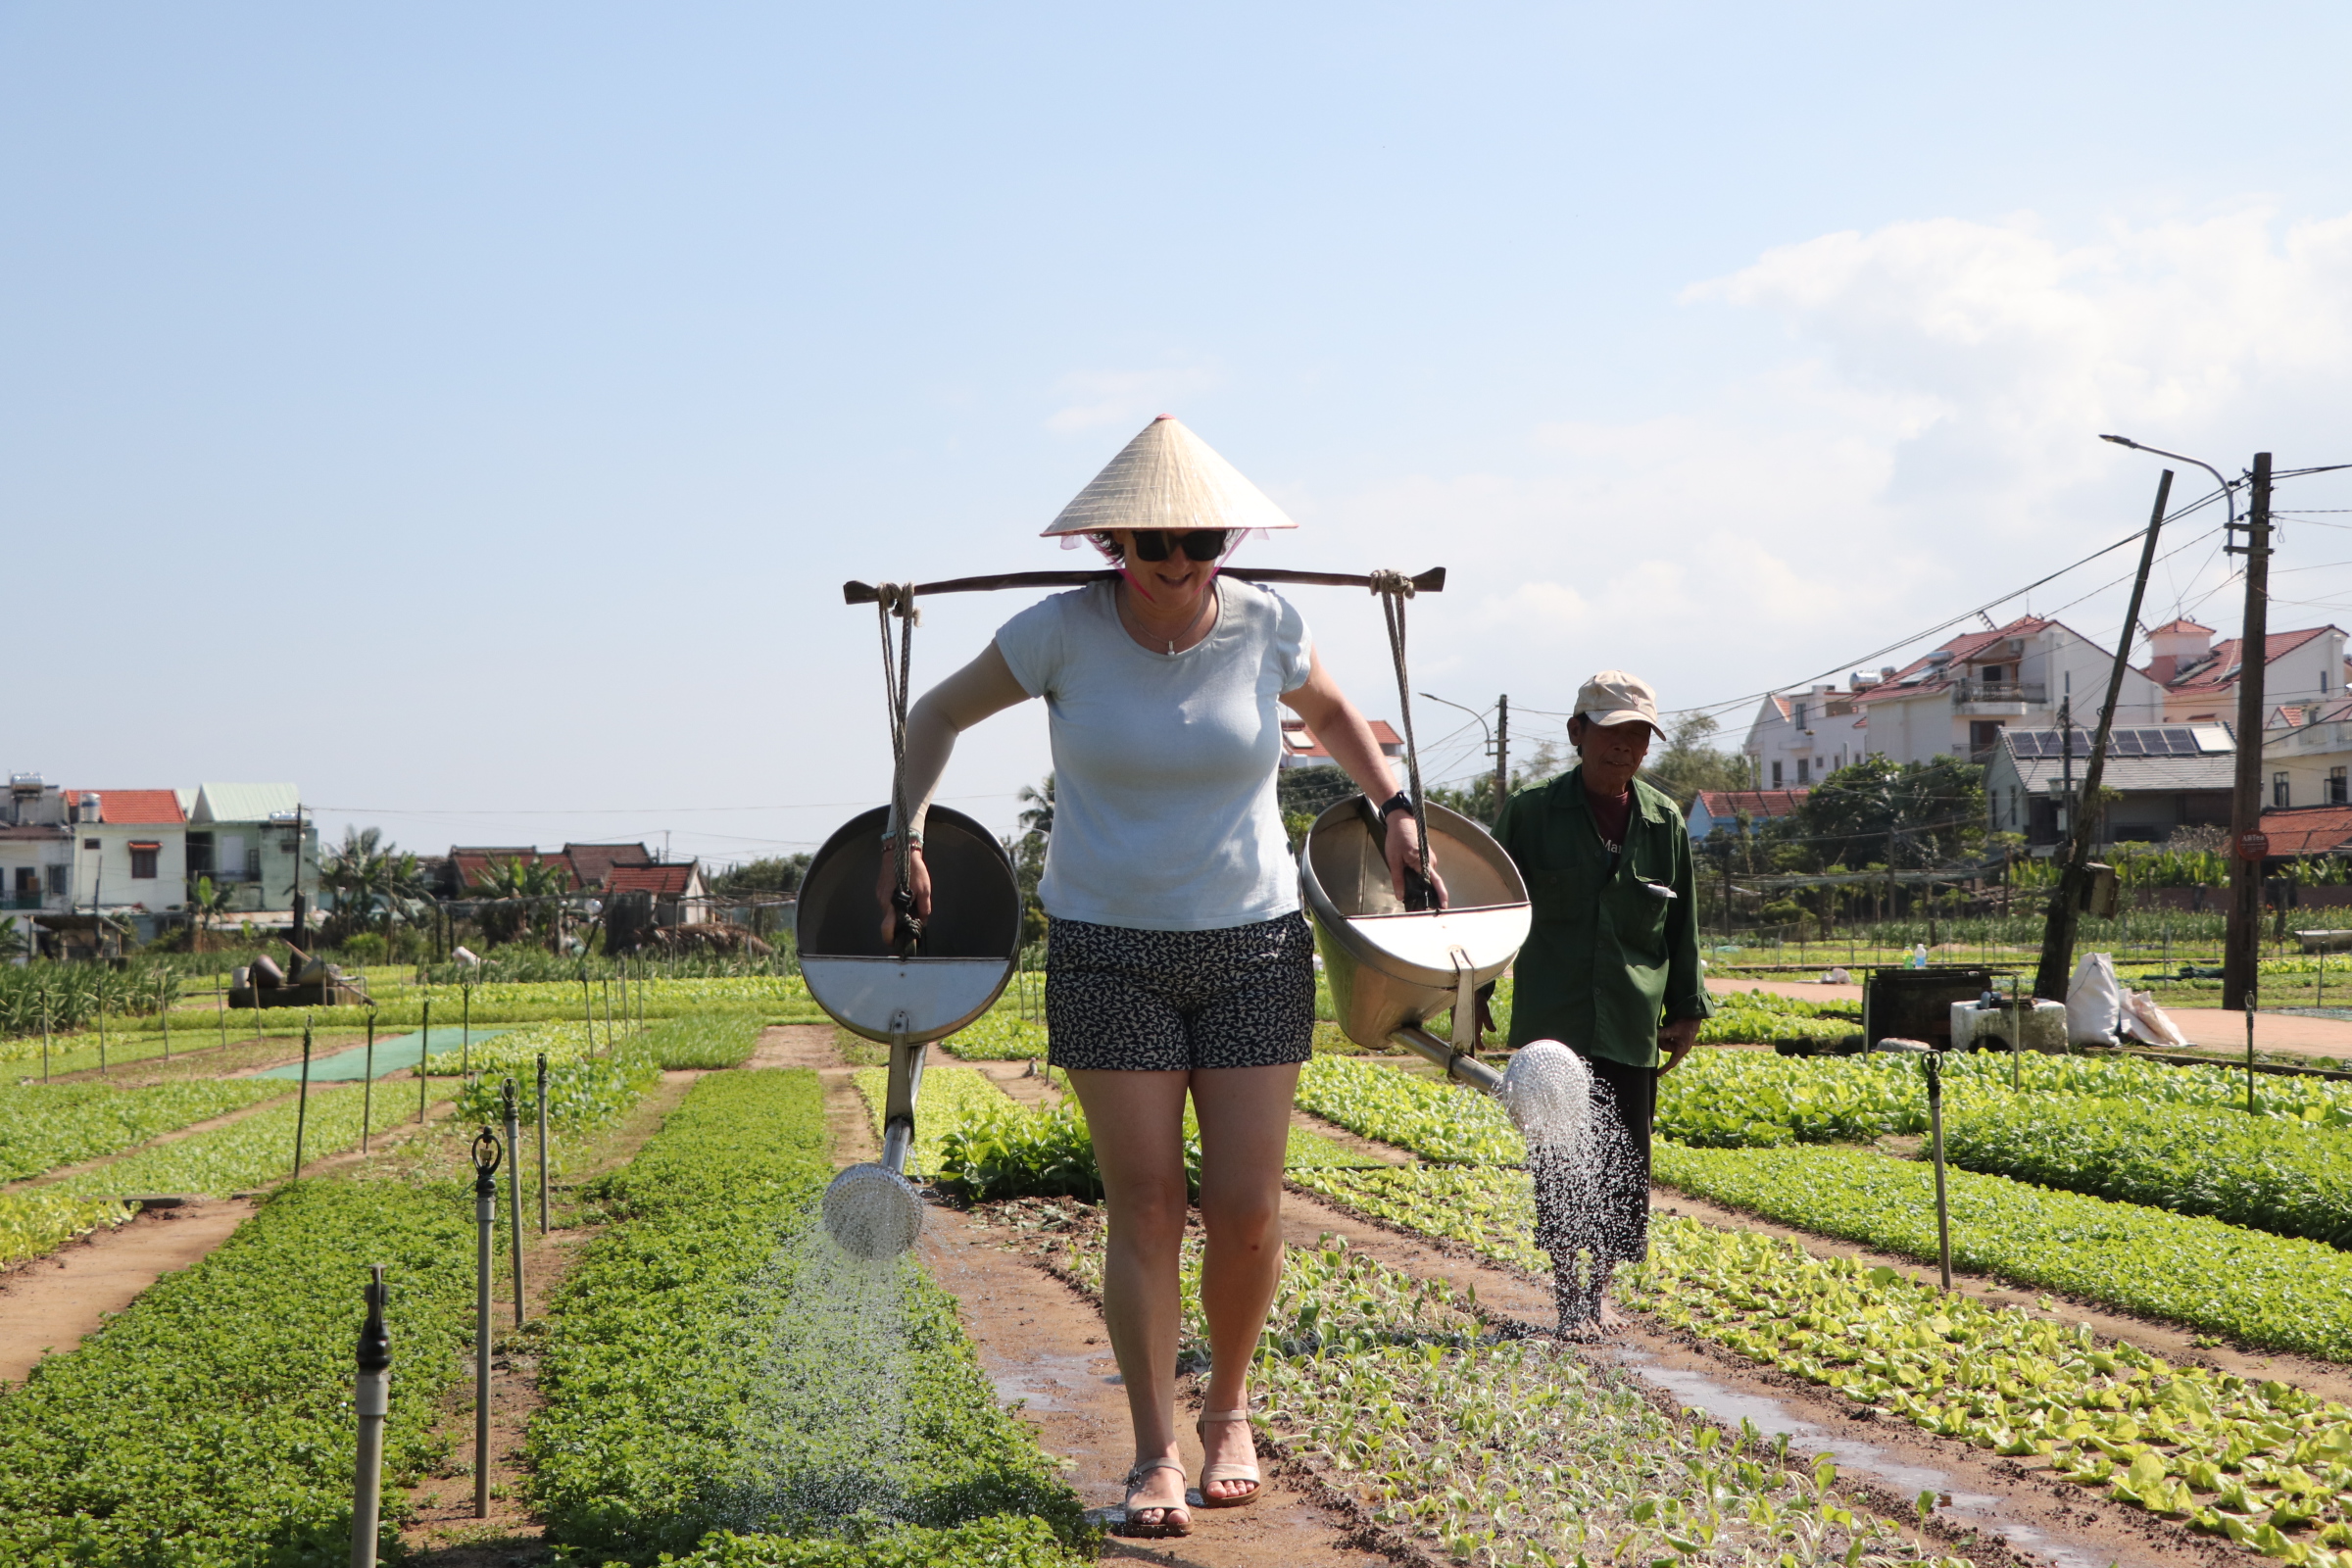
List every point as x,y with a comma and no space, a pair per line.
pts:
1167,477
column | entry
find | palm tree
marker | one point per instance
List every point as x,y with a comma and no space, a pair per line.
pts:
208,903
1038,818
520,885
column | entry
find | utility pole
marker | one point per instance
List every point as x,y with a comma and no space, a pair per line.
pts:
2241,951
2058,932
1502,752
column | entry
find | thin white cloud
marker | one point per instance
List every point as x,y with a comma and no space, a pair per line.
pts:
1120,398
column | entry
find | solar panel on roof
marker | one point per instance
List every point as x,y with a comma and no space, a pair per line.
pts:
2132,743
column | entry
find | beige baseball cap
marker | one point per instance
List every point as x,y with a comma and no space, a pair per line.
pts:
1614,697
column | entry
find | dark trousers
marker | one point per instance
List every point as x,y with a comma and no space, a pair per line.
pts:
1591,1224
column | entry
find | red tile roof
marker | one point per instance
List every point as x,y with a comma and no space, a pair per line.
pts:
2308,829
1299,741
591,864
1960,649
2178,623
134,806
2220,670
661,881
1760,805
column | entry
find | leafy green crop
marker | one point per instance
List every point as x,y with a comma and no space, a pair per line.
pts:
37,1220
1489,1208
1435,1119
44,1126
1001,1541
210,1426
2269,1291
949,1097
253,1152
581,1095
2287,1177
708,1362
1001,1034
2251,1462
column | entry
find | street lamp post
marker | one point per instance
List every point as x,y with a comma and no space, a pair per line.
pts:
1489,744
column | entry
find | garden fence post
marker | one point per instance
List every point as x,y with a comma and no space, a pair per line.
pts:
102,1027
606,988
588,1007
513,1189
1943,1214
221,994
302,1105
542,1143
2249,1053
373,1400
44,1034
163,1010
486,1154
368,1084
425,1049
466,1032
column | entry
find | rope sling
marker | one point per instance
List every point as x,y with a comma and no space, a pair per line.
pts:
1394,589
898,673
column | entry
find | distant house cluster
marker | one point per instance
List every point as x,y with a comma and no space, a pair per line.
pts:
680,893
66,851
2021,701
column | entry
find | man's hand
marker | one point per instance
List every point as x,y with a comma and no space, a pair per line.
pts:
1401,843
1675,1039
918,882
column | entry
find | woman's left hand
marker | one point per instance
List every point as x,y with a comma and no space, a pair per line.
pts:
1402,843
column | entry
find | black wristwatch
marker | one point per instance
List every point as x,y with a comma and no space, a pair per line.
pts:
1399,802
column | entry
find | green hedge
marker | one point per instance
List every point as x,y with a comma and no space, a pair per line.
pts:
1002,1542
211,1424
2287,1177
686,1369
2273,1291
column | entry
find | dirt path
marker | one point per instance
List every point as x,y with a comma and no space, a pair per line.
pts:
1044,1343
50,1303
2038,1518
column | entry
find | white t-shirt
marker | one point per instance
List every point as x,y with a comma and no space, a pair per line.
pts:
1164,813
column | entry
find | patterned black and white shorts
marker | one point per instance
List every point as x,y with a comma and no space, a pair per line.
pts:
1124,999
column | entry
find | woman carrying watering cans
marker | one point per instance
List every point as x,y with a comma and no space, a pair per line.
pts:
1177,961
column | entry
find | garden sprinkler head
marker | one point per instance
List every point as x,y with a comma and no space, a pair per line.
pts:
872,1212
488,1152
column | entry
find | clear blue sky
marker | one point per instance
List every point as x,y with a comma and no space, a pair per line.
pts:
470,413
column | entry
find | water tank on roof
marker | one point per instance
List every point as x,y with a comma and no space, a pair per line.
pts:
88,808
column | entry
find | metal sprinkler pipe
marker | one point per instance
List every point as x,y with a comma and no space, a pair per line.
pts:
425,1050
486,1156
368,1084
1934,1066
372,1398
506,1095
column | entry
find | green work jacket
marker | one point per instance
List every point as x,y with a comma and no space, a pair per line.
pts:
1607,960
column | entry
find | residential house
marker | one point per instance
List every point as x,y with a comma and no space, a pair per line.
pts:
1300,749
36,846
468,866
2168,777
2307,756
1799,738
592,864
2200,676
255,840
1725,810
680,896
1956,701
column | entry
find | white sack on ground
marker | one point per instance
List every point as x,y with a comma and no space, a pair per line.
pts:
2094,1002
2149,1022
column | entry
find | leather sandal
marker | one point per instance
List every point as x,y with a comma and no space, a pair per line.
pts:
1225,1470
1167,1525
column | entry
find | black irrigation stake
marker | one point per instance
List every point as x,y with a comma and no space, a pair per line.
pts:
425,1049
302,1107
2249,1053
514,1190
368,1084
1944,1213
542,1143
163,1010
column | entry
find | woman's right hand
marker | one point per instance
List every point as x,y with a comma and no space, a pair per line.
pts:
886,886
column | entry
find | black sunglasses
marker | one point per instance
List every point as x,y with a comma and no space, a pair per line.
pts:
1198,544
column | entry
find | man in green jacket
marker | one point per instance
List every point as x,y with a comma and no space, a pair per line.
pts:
1611,966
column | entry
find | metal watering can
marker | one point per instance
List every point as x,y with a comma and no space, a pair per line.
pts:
1390,968
967,953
